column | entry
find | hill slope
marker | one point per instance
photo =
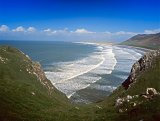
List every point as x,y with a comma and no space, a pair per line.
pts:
151,41
25,93
138,98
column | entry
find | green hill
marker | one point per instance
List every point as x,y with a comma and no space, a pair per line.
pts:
26,94
151,41
144,76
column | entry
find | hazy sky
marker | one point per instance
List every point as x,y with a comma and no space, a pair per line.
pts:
77,20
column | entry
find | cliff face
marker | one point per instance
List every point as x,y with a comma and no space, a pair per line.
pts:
147,61
36,69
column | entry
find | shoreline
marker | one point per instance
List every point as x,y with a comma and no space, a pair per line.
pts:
88,90
114,44
97,43
81,91
68,79
136,47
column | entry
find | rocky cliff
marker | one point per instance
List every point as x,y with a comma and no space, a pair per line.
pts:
147,61
35,68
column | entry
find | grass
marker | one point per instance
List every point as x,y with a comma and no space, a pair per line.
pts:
17,85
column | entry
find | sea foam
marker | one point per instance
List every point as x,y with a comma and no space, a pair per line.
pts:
79,74
125,57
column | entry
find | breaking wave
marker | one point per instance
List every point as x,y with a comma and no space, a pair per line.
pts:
79,74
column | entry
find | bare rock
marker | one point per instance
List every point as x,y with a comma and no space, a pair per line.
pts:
141,66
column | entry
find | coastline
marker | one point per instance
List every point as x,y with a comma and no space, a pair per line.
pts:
136,47
113,44
87,94
81,74
97,81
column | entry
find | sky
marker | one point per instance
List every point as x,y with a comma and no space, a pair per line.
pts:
78,20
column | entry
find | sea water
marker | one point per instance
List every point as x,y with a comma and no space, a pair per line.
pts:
85,72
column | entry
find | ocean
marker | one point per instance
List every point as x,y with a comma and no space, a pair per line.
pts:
85,72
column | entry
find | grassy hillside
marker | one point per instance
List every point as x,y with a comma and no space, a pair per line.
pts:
145,109
151,41
150,109
24,96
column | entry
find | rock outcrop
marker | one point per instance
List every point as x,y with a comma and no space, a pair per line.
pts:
147,61
24,64
37,70
128,103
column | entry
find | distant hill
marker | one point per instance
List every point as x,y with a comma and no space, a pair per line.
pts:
151,41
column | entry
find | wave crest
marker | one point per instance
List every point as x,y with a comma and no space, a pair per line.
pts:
79,74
